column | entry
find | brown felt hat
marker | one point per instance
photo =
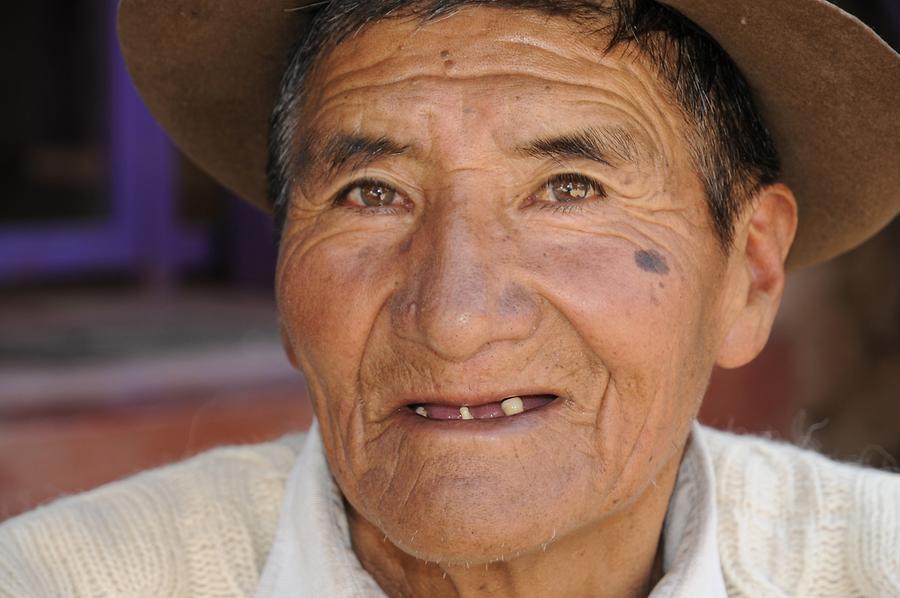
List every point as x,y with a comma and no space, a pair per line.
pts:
828,88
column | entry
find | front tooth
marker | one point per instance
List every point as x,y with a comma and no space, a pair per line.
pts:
422,411
465,413
512,406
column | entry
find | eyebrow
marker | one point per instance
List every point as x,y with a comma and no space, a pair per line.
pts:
341,151
345,151
606,145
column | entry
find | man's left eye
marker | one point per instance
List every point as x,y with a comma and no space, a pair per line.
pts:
370,194
568,188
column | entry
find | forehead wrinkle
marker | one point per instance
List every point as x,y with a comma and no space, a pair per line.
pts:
639,139
421,73
542,39
621,140
409,86
411,65
524,55
661,106
651,121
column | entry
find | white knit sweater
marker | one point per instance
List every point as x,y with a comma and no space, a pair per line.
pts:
791,523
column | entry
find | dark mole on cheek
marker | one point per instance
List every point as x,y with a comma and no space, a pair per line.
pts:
651,261
445,54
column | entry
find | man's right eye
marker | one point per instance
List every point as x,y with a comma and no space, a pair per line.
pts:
369,194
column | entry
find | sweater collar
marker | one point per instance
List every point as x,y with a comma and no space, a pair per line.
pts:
312,555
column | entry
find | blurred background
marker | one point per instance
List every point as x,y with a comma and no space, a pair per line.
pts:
137,318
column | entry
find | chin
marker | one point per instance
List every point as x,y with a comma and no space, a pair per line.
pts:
453,524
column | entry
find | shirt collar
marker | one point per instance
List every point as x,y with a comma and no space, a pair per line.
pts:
691,563
312,555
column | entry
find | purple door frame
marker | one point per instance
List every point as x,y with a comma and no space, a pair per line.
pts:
141,233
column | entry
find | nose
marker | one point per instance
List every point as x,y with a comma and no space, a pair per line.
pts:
461,294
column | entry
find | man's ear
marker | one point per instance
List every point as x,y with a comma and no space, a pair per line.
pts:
288,347
759,260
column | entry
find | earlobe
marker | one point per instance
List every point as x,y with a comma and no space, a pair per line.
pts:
769,233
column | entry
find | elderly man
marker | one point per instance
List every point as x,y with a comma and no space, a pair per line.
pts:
516,237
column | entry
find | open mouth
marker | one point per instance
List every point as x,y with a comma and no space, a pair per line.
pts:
508,407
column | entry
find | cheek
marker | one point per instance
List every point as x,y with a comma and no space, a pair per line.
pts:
644,326
329,293
642,323
624,309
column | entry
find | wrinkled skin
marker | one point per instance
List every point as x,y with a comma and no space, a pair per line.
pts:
477,283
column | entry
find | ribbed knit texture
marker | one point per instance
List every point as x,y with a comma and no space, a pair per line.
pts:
198,528
791,523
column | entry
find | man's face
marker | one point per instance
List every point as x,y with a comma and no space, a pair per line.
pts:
495,208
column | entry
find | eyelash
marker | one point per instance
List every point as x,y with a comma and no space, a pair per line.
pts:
339,200
574,206
558,207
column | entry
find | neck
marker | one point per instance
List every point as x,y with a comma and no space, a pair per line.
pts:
619,555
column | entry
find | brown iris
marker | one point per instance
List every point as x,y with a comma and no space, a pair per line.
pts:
375,195
570,188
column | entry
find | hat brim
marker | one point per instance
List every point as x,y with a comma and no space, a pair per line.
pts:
828,88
